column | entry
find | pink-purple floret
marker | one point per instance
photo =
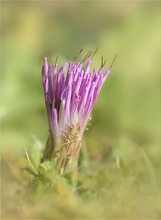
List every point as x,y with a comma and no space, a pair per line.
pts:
70,94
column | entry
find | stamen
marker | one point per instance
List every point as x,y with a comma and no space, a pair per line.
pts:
102,62
76,57
56,60
113,61
87,56
94,53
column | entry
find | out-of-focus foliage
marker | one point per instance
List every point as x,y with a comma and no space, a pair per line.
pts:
119,175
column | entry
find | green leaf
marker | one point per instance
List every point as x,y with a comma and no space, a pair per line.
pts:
36,152
31,171
47,165
30,167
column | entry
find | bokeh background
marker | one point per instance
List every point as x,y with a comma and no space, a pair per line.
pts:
125,131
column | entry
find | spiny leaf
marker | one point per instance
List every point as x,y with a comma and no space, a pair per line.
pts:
30,168
36,152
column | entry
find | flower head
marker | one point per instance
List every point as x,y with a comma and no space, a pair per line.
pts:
70,95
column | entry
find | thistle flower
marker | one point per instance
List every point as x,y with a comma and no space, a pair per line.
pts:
70,95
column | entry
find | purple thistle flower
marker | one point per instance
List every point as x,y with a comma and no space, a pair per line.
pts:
70,95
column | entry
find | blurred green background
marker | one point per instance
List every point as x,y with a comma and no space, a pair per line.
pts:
126,119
